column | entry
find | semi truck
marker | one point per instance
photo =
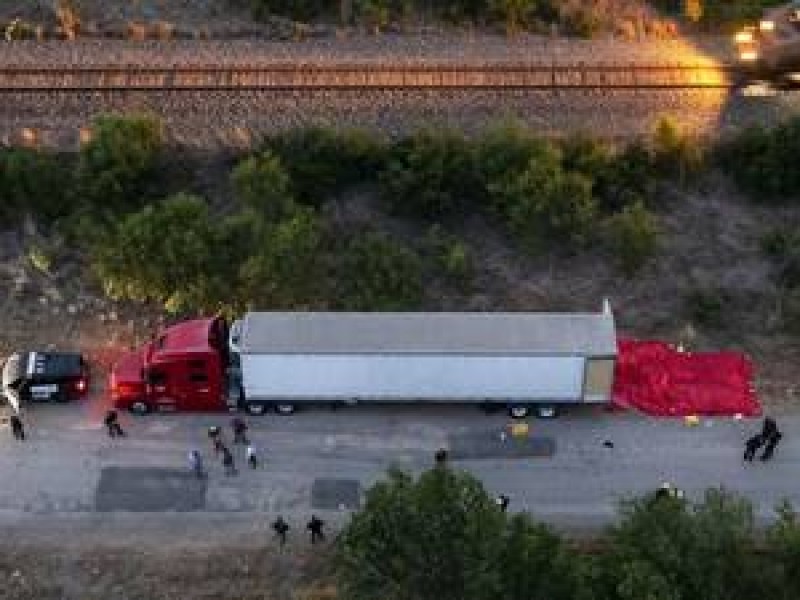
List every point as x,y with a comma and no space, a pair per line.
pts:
284,360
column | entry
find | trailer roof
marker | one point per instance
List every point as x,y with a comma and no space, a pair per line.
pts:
591,334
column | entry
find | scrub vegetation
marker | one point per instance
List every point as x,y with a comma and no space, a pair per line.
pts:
279,240
440,536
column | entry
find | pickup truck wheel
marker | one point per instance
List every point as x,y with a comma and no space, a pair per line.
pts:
284,409
518,411
256,408
140,407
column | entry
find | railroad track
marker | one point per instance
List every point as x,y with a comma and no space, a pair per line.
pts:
359,77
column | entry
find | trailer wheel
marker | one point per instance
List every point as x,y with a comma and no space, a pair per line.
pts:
256,408
140,407
518,411
284,409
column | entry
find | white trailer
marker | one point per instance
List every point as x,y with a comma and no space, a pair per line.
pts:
514,359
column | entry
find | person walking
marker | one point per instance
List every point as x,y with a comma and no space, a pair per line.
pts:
17,428
227,462
239,431
772,443
315,526
112,424
769,428
752,445
281,528
502,502
196,464
215,435
252,457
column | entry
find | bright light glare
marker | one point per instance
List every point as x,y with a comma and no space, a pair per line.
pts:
749,55
766,25
744,37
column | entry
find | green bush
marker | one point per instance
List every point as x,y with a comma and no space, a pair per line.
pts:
299,10
33,182
676,155
707,306
322,162
451,256
627,178
118,167
783,247
762,161
166,253
377,273
431,175
544,203
262,185
507,149
634,237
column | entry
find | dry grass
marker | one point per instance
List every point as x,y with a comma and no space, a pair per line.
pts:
220,572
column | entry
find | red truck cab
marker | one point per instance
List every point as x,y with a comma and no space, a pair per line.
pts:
182,369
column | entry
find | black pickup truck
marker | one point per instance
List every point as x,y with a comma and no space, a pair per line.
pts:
44,377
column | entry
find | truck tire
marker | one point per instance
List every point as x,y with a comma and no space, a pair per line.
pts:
283,408
256,408
518,411
140,407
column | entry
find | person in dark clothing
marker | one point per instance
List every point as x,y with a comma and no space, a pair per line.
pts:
769,428
315,526
227,462
239,431
196,464
112,424
772,443
503,501
281,528
752,445
440,457
17,429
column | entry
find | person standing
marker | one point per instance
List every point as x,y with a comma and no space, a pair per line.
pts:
196,464
17,428
752,445
440,457
252,457
772,443
112,424
227,462
239,431
769,428
315,526
502,502
281,528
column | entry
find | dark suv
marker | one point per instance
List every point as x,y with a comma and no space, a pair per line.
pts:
45,377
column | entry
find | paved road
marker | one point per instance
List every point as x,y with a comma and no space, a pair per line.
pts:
69,465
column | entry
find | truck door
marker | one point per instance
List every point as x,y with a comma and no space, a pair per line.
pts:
200,387
160,386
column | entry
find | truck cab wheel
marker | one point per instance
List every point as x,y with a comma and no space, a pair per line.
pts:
255,408
284,409
140,407
518,411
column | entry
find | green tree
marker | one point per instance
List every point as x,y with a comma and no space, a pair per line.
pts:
535,565
322,161
434,538
117,166
544,203
431,175
33,182
262,185
675,153
783,538
627,178
515,13
667,548
377,273
283,268
507,149
761,160
164,253
633,234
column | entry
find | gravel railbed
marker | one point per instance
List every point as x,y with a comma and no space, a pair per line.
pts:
393,49
211,119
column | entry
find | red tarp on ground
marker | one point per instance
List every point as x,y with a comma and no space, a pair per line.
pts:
657,379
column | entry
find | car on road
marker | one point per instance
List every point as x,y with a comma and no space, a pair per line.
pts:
44,377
